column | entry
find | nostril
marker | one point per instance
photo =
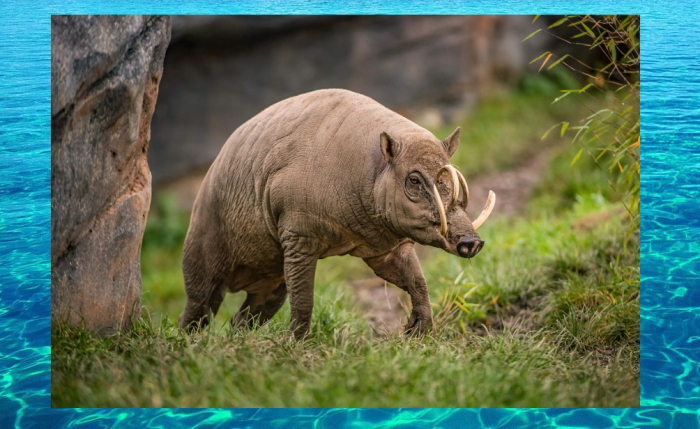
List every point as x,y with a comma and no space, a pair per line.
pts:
479,245
463,249
469,247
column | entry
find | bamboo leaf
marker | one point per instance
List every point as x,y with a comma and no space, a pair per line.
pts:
618,157
597,40
621,88
564,126
545,62
600,155
557,62
585,88
558,23
536,16
550,129
532,34
599,112
578,155
588,30
582,129
559,98
613,50
539,57
632,50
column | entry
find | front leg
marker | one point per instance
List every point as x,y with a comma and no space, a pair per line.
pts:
299,270
402,268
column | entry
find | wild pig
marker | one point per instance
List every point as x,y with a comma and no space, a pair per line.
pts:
326,173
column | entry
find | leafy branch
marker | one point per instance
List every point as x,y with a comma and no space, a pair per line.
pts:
612,92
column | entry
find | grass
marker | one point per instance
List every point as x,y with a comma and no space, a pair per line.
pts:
546,316
581,351
338,367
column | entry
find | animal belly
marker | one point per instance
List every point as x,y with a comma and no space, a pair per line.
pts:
340,249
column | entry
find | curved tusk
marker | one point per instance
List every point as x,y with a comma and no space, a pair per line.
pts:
455,181
490,202
463,182
441,210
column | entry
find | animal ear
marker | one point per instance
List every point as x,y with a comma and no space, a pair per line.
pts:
451,143
390,146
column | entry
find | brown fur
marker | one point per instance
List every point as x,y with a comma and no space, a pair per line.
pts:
313,176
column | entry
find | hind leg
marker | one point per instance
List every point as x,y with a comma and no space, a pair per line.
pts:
260,306
198,314
204,287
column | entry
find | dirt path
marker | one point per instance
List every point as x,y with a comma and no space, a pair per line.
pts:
512,187
384,306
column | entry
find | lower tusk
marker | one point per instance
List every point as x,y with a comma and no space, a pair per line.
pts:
463,182
453,174
441,210
490,202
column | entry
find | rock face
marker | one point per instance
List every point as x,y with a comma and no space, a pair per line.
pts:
222,71
105,72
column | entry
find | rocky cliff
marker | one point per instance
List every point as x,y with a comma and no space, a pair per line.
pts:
221,71
105,74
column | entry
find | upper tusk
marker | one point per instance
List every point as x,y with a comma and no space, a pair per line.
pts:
463,182
453,174
490,202
441,210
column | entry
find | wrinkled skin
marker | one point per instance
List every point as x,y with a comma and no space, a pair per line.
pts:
326,173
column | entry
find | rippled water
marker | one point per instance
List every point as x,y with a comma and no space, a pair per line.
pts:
670,226
670,269
25,225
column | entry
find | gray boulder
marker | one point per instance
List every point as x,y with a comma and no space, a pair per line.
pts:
105,72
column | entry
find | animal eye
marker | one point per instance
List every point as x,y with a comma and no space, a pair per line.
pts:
414,180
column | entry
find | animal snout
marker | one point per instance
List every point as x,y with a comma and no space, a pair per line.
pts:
469,246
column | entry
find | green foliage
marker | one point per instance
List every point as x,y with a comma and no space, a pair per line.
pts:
562,184
539,265
610,135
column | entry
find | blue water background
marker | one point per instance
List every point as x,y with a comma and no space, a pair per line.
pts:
670,179
670,224
25,221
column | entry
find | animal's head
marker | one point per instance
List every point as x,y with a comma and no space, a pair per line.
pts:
426,197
